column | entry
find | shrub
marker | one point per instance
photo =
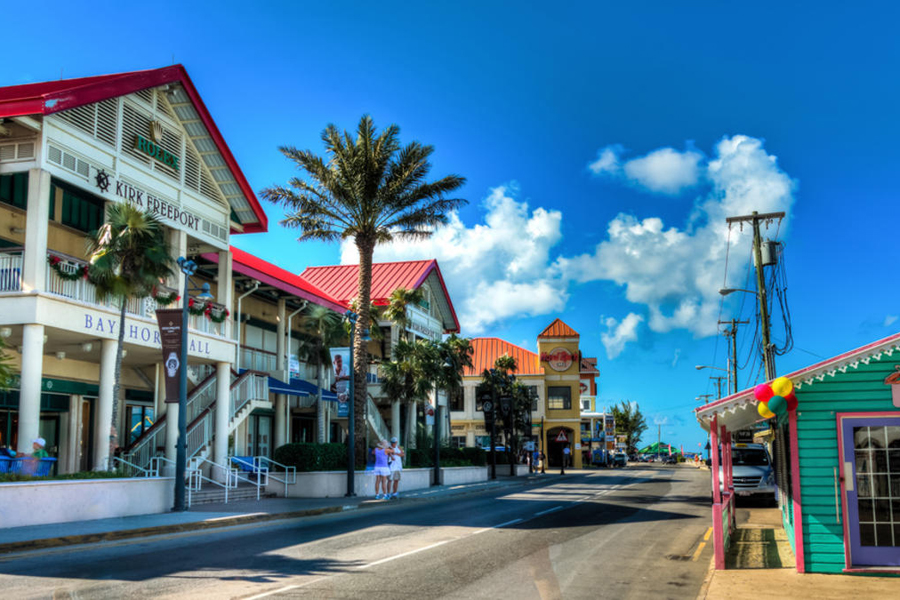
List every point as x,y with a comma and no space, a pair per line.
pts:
450,457
313,457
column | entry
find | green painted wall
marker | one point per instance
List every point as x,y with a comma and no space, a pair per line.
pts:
857,390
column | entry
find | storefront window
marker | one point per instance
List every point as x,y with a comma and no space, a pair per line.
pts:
559,398
14,189
80,210
456,400
140,419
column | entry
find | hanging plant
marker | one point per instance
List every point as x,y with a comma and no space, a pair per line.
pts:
56,262
217,314
164,299
196,308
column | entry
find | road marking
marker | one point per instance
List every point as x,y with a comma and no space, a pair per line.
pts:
395,557
698,551
708,533
549,510
285,589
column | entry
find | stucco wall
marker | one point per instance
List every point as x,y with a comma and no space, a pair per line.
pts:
45,502
333,484
460,475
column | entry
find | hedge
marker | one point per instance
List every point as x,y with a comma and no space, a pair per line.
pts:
313,457
450,457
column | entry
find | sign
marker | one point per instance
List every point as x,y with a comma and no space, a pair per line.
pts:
153,149
559,359
340,368
147,201
294,366
429,414
171,322
561,437
138,332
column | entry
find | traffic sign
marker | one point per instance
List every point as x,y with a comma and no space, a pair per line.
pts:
561,436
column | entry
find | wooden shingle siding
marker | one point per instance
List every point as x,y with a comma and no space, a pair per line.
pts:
857,390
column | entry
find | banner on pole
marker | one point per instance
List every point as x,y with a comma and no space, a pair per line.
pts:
340,366
170,322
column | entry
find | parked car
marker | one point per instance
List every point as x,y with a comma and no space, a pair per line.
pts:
620,459
752,471
670,460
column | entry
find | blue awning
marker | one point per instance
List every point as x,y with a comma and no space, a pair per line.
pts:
298,387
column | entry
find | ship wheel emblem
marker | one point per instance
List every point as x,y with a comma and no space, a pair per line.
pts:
102,180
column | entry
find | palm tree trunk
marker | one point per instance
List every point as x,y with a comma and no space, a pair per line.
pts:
366,248
113,433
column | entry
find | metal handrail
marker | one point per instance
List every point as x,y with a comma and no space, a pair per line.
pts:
192,485
290,473
142,451
262,474
125,463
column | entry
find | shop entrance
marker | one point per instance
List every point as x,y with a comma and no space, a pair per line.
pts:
555,446
871,455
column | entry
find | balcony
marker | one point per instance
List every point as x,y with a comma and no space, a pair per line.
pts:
82,290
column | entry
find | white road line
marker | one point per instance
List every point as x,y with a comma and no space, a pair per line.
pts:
513,522
416,551
549,510
285,589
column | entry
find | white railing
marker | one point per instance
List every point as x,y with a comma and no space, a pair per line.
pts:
201,397
132,469
289,476
144,451
200,434
11,272
376,422
261,473
250,386
257,360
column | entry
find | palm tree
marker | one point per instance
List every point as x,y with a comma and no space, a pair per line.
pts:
395,312
410,375
326,327
505,364
128,258
369,190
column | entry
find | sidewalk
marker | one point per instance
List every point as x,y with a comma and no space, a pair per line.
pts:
208,516
760,564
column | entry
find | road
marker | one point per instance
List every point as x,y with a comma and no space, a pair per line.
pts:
629,533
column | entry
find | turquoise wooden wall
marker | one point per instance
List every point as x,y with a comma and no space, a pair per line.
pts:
857,390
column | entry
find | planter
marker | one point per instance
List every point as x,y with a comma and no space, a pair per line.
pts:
46,502
333,484
461,475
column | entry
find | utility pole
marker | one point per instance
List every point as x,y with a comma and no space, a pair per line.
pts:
719,379
732,334
754,219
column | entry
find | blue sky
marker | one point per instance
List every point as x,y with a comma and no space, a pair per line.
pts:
603,147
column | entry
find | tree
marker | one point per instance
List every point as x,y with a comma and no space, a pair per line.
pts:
501,381
326,328
369,190
410,375
128,258
395,312
630,423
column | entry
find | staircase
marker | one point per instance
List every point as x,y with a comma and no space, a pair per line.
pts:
376,428
249,391
211,495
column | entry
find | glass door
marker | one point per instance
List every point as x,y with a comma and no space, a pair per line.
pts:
871,453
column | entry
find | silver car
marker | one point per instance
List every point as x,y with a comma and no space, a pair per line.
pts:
752,471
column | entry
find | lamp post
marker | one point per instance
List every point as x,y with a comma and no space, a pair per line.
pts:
718,385
768,359
188,267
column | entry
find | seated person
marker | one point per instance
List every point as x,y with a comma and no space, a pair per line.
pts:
38,446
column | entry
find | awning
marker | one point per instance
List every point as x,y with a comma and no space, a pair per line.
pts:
298,387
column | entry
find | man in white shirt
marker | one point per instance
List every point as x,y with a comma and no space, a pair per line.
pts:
396,465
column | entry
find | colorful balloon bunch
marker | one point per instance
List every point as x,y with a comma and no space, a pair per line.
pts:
775,398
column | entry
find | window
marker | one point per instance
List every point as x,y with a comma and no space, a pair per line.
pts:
14,189
456,401
80,210
458,441
533,393
559,398
586,404
139,419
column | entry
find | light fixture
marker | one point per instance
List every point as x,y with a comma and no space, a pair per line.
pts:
17,230
87,347
727,291
5,332
60,355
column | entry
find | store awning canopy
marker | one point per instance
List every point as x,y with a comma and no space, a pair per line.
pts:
298,387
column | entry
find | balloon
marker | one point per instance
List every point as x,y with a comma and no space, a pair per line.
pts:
764,411
791,401
763,392
778,405
782,387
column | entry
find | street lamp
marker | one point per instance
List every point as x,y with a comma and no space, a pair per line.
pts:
700,367
351,410
188,267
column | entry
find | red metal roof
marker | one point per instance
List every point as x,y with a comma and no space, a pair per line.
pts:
53,96
558,329
269,274
488,350
341,281
589,365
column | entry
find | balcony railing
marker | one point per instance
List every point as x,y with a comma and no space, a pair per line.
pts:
257,360
11,272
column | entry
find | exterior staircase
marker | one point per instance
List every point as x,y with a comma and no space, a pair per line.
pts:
215,494
376,428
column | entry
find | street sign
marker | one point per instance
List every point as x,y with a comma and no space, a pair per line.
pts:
561,437
487,406
505,406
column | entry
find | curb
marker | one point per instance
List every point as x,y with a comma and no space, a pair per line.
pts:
707,581
125,534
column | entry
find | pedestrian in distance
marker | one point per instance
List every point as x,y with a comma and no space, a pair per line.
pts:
382,469
397,455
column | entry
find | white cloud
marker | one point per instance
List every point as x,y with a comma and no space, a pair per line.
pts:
619,333
495,270
676,357
664,171
676,272
889,320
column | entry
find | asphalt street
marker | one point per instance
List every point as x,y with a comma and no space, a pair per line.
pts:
632,533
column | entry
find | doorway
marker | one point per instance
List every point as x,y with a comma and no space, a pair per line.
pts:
871,456
259,435
555,446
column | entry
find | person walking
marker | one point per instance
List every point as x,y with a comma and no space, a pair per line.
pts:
397,455
382,469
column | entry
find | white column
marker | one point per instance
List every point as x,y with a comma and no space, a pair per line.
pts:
280,338
223,415
159,392
281,406
73,427
30,386
327,406
411,424
225,290
103,413
280,425
470,438
34,267
395,419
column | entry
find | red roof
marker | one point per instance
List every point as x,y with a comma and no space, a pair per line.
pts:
488,350
269,274
558,329
53,96
341,281
589,365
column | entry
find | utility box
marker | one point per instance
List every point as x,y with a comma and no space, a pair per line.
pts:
768,249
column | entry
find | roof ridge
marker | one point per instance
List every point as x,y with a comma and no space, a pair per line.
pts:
565,330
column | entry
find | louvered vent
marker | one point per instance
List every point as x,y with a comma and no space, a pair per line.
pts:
191,169
82,117
214,230
8,153
106,121
162,106
134,123
146,96
98,120
69,161
208,187
25,151
171,142
14,152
